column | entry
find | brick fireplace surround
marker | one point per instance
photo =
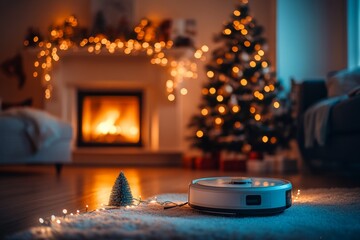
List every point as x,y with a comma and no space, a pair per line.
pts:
161,120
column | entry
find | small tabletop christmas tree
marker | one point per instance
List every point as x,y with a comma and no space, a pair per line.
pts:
240,107
121,193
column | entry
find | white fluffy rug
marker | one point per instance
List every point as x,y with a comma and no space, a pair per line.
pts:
317,214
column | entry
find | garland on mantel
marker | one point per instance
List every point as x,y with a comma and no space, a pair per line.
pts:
145,37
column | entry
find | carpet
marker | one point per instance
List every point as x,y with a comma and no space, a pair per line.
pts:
317,214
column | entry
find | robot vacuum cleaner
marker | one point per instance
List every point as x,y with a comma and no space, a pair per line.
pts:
240,195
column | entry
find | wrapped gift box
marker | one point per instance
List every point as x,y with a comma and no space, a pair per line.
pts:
231,161
256,166
206,162
189,162
233,165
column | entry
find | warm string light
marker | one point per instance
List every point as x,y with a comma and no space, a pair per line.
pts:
257,117
180,70
237,124
199,53
276,104
165,204
49,221
171,97
145,41
212,90
235,109
273,140
64,212
227,31
220,98
243,82
210,74
218,120
296,196
222,109
199,134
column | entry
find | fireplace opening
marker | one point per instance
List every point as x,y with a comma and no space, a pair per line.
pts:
109,118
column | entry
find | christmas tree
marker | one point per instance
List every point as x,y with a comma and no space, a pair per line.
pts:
121,192
240,110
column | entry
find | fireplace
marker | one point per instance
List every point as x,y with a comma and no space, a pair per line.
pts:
161,127
109,118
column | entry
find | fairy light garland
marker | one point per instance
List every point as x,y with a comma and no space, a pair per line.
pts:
49,221
145,42
296,196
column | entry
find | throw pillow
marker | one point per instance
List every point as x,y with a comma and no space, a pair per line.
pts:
342,82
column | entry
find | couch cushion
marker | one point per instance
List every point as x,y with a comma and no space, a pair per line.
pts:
14,143
342,82
345,116
16,146
41,127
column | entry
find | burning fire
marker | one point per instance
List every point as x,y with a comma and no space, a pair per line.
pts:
111,124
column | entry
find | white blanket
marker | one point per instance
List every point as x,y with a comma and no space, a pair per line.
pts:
316,121
41,127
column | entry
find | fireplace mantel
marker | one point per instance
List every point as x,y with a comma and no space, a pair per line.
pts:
162,119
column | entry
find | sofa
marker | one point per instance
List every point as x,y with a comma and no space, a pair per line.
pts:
31,136
328,121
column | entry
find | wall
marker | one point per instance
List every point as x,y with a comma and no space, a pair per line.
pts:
353,31
311,38
17,16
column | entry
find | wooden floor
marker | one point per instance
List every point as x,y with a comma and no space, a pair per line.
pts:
30,192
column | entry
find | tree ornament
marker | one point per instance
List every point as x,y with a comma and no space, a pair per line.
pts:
245,56
233,100
228,88
121,192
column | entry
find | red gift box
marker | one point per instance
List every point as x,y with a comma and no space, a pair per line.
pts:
233,165
255,155
189,162
207,162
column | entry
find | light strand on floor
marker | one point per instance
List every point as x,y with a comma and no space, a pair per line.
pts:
296,197
137,201
166,205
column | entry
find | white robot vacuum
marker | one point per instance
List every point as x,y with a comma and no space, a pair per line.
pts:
240,195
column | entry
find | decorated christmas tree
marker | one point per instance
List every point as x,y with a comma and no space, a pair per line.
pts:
121,192
240,111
